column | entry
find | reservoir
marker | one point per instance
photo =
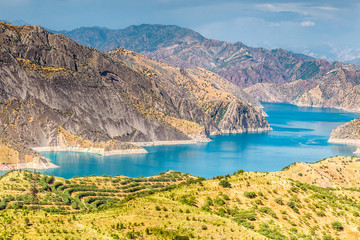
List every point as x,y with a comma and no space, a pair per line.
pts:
300,134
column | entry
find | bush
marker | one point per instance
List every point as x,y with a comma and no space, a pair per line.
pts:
246,214
225,183
320,213
293,206
337,226
269,211
271,233
250,194
15,205
177,237
219,201
2,205
204,227
188,200
244,223
279,201
240,171
226,197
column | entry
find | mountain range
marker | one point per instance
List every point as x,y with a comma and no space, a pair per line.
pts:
268,75
57,93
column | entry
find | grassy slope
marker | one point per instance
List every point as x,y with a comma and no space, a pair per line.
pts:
256,206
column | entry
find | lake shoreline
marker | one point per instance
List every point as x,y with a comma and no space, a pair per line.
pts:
226,153
29,165
354,142
99,151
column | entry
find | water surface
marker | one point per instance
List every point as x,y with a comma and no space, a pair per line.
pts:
300,134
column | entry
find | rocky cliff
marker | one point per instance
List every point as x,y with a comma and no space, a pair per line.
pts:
228,107
48,83
348,133
268,75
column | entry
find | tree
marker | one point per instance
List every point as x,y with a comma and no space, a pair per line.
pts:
33,190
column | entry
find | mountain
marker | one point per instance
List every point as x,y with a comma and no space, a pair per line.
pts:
225,103
17,22
268,75
141,38
290,204
348,133
57,93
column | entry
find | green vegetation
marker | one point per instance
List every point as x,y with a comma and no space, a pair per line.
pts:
174,205
83,194
225,183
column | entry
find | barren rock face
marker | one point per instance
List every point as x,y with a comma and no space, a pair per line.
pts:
47,81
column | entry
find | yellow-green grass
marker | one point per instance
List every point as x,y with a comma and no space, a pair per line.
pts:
245,205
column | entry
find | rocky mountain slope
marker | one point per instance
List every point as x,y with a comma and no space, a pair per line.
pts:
55,92
284,205
269,75
225,103
348,133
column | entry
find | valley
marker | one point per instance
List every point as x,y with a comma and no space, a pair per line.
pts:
179,120
60,95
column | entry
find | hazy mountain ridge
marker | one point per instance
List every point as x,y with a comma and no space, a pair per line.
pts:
139,38
92,95
269,75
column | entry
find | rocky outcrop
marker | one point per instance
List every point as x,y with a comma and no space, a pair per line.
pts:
229,109
348,133
48,83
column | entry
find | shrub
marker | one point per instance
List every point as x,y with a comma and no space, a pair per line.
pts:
271,233
188,200
269,211
250,194
244,223
337,226
226,197
177,237
240,171
246,214
279,201
225,183
292,205
204,227
219,201
320,213
27,221
208,201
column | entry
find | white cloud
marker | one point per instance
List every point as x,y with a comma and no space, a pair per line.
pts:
307,24
299,8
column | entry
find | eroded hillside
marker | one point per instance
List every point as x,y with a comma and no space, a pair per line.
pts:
48,82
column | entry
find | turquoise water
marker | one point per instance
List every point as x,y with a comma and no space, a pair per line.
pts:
300,134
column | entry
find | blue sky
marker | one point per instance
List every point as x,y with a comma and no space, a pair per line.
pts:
330,28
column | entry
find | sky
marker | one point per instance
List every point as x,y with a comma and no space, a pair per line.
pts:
328,29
